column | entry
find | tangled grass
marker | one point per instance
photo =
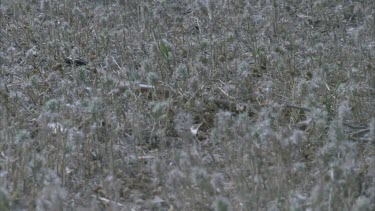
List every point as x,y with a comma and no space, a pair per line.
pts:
98,100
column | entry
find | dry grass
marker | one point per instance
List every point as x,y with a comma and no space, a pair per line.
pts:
282,91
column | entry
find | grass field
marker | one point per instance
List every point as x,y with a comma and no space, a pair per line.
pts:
187,105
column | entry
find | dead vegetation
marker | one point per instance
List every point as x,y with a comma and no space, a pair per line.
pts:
187,105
